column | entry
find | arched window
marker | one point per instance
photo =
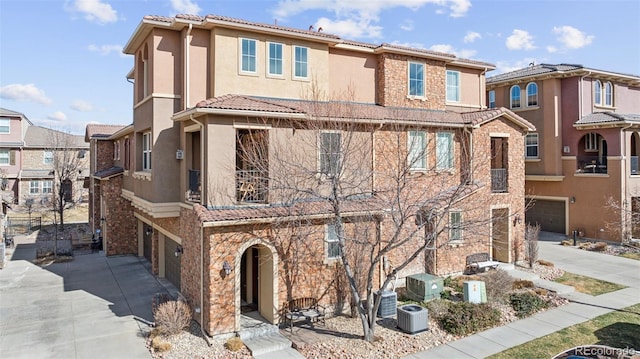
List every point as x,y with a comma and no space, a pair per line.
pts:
532,94
608,94
597,92
515,96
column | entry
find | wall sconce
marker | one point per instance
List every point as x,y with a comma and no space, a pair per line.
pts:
148,231
573,199
179,250
517,220
102,219
226,267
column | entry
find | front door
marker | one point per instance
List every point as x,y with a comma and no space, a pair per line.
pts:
500,247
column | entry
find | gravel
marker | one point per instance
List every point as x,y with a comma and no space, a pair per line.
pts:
543,271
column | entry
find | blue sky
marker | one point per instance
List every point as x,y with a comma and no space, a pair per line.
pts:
61,62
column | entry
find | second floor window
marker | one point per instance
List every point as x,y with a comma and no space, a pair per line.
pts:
532,94
300,61
453,86
597,92
248,56
531,145
5,125
444,150
330,153
126,153
416,79
275,59
333,244
116,150
515,96
4,157
48,157
608,94
417,159
34,187
47,186
146,151
492,99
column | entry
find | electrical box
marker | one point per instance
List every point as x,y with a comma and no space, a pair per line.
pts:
475,291
179,154
424,287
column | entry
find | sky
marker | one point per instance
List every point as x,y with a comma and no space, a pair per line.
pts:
61,61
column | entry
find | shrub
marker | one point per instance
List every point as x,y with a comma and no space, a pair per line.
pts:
438,308
599,247
498,283
446,294
541,292
172,316
234,344
464,318
520,284
542,262
159,345
567,242
526,303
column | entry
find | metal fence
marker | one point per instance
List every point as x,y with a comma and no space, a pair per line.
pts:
21,225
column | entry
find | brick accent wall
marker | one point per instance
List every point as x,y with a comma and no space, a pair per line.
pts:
120,226
191,272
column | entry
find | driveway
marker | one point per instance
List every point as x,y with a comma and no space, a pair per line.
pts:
90,307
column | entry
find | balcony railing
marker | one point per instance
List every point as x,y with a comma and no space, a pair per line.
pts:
193,193
635,169
499,180
252,186
592,164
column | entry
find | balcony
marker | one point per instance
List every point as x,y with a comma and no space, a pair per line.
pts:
592,164
193,193
635,168
251,186
499,180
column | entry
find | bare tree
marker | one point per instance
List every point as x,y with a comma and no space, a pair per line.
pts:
532,234
625,217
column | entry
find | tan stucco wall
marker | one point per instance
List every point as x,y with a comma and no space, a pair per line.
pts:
351,76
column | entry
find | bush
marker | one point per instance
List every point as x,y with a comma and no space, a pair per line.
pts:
464,318
446,294
234,344
520,284
438,308
172,316
159,345
498,283
526,303
542,262
599,247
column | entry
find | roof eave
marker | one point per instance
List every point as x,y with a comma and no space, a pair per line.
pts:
199,111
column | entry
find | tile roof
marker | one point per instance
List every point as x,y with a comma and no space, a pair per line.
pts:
42,137
108,172
10,113
607,118
244,103
40,173
548,69
100,131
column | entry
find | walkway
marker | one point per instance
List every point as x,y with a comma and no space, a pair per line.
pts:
91,307
583,307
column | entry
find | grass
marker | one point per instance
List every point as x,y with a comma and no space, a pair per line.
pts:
588,285
631,255
618,329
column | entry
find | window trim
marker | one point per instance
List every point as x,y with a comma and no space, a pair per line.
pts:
295,62
8,125
32,187
339,153
597,93
269,58
331,242
591,142
512,97
147,149
451,165
44,157
411,161
42,186
242,55
455,227
608,94
116,150
457,86
492,99
8,151
536,145
422,80
532,85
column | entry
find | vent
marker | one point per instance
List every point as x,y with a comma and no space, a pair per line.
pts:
424,287
179,154
413,318
388,303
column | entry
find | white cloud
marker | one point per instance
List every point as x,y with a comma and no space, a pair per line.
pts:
28,92
506,66
58,116
407,25
95,10
105,49
520,40
185,7
349,28
82,106
571,37
552,49
448,49
471,36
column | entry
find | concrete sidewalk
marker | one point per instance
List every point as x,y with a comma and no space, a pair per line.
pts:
583,307
90,307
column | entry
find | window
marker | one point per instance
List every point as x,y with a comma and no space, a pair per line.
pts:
591,142
47,186
146,151
455,226
4,157
116,150
5,125
34,187
126,153
300,61
453,86
275,59
532,94
330,153
333,244
417,150
608,94
248,58
416,79
597,92
82,153
444,150
492,99
515,96
48,157
531,145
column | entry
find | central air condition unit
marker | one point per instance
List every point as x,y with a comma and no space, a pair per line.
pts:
388,303
413,318
424,287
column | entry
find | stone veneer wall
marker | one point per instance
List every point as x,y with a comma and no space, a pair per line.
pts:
120,224
103,153
191,272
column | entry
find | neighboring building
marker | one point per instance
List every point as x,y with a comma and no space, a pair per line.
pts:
584,155
182,191
27,155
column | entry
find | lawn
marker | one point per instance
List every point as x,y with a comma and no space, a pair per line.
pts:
631,255
588,285
619,329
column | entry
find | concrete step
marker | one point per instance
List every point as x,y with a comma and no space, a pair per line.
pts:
288,353
268,343
257,331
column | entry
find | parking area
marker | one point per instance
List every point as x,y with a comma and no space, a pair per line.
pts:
90,307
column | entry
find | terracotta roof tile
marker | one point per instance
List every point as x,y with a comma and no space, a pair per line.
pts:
246,103
608,117
108,172
101,131
272,27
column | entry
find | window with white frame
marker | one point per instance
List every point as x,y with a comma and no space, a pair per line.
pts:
597,92
47,186
116,150
34,187
275,59
300,62
515,96
532,94
416,79
591,142
608,94
453,86
5,125
531,145
248,55
492,99
146,151
4,157
333,244
444,150
417,159
48,157
455,226
330,152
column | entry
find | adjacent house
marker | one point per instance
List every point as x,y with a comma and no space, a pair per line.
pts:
253,144
582,162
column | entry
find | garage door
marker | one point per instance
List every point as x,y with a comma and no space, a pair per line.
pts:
171,262
549,214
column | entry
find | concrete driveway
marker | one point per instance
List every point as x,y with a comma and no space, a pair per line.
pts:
90,307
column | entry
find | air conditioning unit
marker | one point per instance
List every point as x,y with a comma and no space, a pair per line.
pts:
474,291
424,287
388,303
413,318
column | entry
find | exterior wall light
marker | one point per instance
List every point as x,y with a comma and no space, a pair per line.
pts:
226,267
179,250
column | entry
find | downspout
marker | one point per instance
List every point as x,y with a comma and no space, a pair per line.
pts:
625,173
93,186
187,37
480,87
470,133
